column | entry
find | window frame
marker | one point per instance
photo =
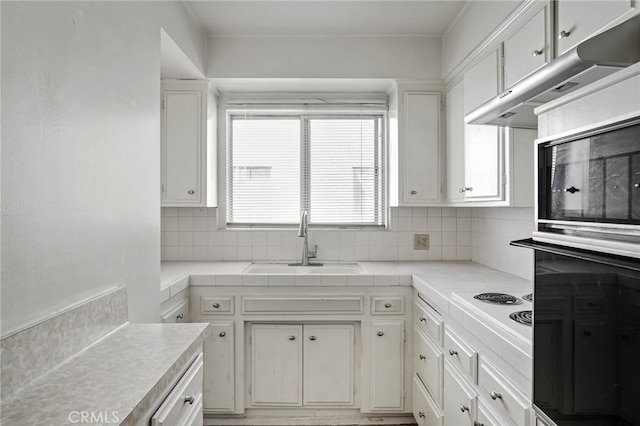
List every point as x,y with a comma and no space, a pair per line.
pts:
380,117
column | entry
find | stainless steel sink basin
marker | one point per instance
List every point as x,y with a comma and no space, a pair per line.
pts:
283,268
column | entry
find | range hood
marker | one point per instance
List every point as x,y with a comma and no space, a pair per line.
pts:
589,61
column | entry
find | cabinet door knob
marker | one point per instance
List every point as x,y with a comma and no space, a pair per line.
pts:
312,338
387,305
216,305
422,356
564,34
179,316
572,190
292,337
636,185
495,395
536,53
191,192
380,333
414,192
464,408
190,399
452,352
423,319
421,414
222,334
468,188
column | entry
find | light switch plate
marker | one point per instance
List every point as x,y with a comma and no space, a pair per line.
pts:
421,241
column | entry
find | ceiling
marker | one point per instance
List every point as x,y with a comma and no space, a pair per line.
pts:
325,18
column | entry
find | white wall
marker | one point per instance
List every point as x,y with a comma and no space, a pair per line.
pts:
491,231
81,153
476,21
324,57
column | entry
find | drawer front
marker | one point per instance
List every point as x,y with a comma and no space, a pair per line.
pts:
303,305
501,394
185,397
429,322
460,400
486,417
425,410
178,314
429,363
461,355
220,305
387,305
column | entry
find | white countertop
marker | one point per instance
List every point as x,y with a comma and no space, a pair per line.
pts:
120,376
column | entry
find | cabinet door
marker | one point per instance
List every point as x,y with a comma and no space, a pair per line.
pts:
182,143
276,365
482,82
387,360
219,382
484,163
455,143
527,49
460,399
328,364
579,20
421,148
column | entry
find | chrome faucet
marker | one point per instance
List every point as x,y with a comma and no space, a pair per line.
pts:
303,232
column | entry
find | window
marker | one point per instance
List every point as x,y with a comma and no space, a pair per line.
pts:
326,162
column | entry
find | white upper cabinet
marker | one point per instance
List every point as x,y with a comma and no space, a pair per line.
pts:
527,48
420,147
482,82
188,170
579,20
455,143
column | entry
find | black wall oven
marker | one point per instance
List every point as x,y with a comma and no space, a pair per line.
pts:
586,336
589,189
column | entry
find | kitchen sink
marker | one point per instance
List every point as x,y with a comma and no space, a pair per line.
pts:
283,268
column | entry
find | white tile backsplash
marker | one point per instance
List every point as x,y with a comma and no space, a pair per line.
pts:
192,234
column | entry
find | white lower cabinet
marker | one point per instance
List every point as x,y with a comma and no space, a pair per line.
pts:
219,368
425,409
387,365
302,365
460,399
428,363
276,364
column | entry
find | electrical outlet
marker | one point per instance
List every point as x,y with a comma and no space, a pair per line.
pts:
421,241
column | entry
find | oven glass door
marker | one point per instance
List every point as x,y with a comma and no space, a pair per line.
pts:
587,339
592,179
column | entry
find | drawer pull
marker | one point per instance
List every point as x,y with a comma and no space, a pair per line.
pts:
191,192
380,333
292,337
179,316
564,34
189,399
464,408
421,414
423,319
312,338
414,192
216,305
452,352
387,305
536,52
495,395
422,356
222,334
477,423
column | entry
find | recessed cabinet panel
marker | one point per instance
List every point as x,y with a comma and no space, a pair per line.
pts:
482,81
483,163
425,410
276,365
387,360
428,364
579,20
421,150
460,400
527,49
219,367
182,147
328,364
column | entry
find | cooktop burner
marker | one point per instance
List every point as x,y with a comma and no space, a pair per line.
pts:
528,297
498,298
521,317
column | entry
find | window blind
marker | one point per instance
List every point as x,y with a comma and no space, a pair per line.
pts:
328,163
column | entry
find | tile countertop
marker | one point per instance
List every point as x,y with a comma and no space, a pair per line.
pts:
118,377
437,280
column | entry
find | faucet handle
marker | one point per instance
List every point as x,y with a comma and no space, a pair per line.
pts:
312,254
